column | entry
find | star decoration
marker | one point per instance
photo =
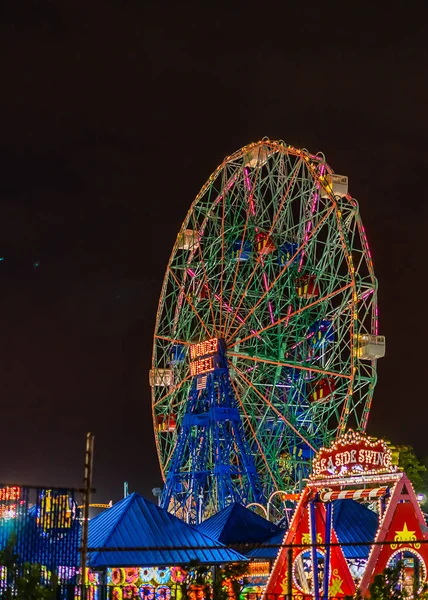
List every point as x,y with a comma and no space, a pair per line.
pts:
405,535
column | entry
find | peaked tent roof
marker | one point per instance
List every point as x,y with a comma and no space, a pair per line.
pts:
270,548
158,537
236,524
354,522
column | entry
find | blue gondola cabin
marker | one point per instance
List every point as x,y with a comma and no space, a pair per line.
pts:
240,250
177,354
264,244
321,333
286,252
307,287
288,374
322,389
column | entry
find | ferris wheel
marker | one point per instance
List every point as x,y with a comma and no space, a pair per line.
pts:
266,335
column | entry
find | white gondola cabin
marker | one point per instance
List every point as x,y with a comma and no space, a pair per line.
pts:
188,240
161,377
371,347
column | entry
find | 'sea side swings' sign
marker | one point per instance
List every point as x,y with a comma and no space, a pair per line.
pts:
352,454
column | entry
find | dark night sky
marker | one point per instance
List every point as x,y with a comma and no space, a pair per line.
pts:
113,114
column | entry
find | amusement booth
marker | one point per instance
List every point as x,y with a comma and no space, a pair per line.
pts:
355,475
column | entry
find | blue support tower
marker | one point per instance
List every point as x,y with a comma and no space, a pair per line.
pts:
212,465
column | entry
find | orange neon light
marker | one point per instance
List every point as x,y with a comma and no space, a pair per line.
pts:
204,348
10,493
203,365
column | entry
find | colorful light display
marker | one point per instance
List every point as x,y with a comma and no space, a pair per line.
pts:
148,583
10,493
282,276
54,511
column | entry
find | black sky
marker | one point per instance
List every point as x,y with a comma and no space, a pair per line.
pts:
113,114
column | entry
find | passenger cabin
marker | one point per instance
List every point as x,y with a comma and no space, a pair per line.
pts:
321,333
322,389
166,423
289,374
188,240
307,287
177,354
286,252
264,244
240,250
333,184
203,292
161,377
371,347
256,157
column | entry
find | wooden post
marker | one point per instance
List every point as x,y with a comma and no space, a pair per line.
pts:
89,455
290,573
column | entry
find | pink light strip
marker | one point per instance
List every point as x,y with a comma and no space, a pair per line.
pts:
250,199
265,280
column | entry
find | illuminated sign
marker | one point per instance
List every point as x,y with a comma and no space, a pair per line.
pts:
204,348
201,366
10,493
202,356
54,511
352,454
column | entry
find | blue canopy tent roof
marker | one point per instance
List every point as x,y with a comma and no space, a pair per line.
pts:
158,538
353,522
236,524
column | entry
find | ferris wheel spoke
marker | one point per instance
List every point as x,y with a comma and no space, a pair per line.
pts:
262,454
172,340
285,196
277,278
222,260
272,407
189,302
295,313
238,262
172,392
206,283
290,365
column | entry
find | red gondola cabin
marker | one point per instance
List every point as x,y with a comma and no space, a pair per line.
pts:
307,287
166,422
264,244
322,389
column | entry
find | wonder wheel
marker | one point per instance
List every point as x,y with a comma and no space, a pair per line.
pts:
266,340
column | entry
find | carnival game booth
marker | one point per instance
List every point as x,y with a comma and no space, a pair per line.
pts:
141,551
385,525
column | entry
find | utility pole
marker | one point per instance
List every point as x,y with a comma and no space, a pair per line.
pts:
89,455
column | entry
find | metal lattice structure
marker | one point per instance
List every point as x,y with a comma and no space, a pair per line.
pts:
212,463
273,259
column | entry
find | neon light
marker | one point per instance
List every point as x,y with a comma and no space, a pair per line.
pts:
204,348
201,366
10,493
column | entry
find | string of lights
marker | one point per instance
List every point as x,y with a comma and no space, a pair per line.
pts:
243,546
